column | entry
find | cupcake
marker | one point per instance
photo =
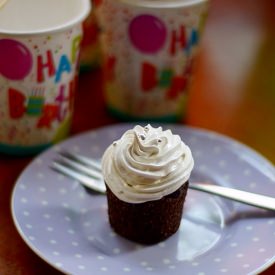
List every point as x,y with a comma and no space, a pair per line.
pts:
146,174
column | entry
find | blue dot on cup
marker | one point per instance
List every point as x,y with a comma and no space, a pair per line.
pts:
147,33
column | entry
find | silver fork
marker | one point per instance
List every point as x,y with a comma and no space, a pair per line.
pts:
88,172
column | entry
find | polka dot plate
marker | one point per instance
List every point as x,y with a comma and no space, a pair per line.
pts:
68,226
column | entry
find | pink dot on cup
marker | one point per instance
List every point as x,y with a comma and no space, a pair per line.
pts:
147,33
15,59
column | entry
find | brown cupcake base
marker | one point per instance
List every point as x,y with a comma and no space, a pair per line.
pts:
148,222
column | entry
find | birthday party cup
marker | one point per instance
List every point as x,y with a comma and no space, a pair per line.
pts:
39,50
149,47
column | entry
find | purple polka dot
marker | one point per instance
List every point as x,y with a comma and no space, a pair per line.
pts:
147,33
15,59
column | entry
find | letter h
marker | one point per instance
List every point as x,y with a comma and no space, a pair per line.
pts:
181,39
49,64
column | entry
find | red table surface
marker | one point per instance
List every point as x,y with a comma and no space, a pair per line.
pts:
233,92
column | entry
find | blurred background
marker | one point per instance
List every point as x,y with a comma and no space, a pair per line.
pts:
233,88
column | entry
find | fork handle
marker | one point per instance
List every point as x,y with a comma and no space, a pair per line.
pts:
253,199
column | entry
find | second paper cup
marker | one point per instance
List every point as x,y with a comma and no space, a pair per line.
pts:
149,48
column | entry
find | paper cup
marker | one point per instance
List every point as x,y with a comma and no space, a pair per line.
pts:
148,50
39,49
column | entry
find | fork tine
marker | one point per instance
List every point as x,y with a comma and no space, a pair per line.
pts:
81,159
77,166
97,185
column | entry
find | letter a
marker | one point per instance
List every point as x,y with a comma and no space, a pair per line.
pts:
64,66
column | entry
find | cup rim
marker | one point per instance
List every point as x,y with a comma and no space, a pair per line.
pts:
86,8
164,4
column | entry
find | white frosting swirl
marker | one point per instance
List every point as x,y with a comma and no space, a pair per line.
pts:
146,164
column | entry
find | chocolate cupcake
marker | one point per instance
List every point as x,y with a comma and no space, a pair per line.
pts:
146,173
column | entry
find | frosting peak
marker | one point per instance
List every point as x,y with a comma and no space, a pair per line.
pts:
146,164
